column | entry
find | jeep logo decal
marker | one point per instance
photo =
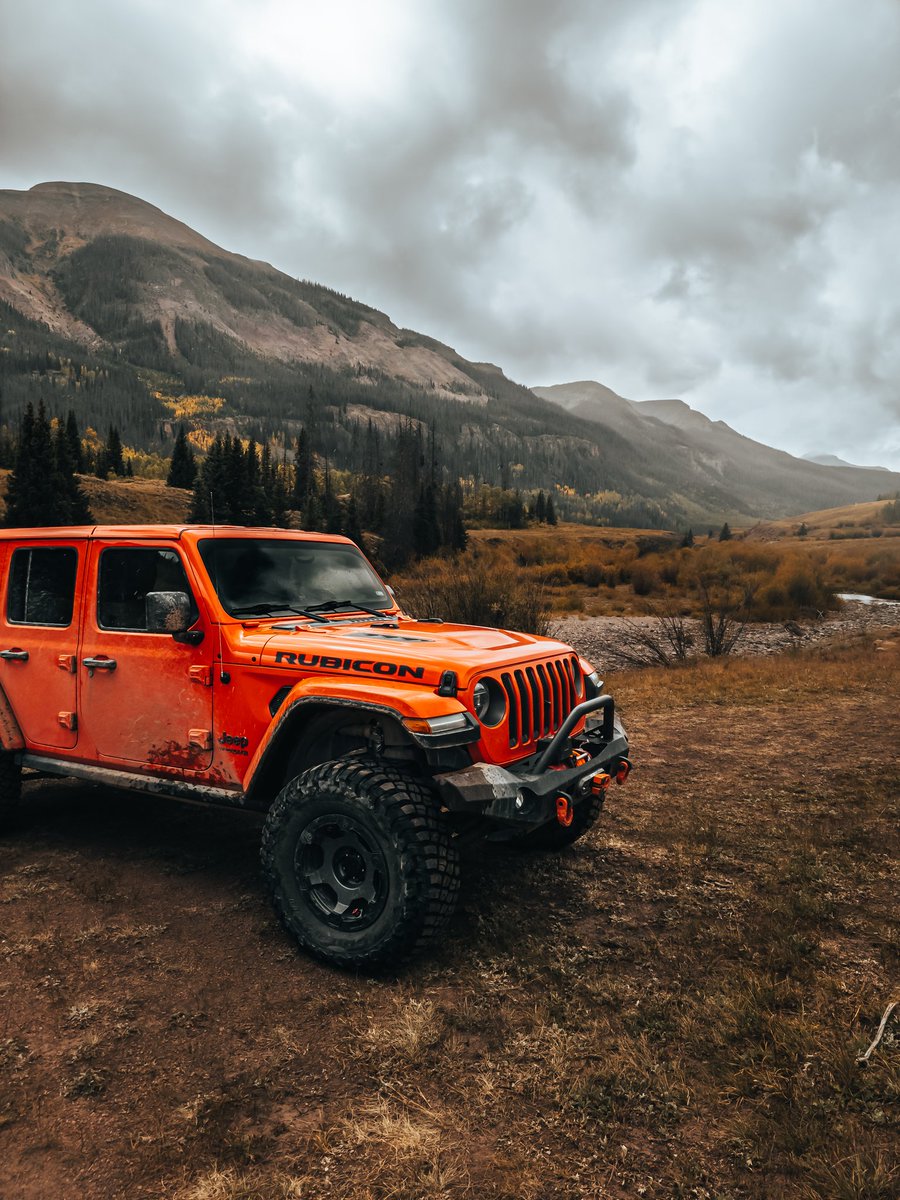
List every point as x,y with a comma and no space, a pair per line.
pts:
364,666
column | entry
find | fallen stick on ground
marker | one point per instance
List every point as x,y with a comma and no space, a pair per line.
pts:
864,1058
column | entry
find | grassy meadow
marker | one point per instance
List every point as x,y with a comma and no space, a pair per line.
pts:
671,1009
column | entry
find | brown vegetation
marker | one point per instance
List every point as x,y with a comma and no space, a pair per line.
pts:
673,1008
129,502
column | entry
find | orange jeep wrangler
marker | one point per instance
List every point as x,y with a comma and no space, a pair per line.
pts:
273,670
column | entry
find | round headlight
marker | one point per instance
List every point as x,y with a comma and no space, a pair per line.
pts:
489,702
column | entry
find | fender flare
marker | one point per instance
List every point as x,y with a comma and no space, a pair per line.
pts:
334,692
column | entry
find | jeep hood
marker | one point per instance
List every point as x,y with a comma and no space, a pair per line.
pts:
419,651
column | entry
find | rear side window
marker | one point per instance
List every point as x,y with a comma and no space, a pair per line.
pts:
126,576
42,586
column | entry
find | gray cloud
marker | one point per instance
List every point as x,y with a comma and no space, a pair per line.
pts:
675,198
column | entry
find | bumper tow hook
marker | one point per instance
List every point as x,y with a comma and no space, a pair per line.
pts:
600,783
565,811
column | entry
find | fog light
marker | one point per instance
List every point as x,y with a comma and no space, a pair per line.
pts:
520,801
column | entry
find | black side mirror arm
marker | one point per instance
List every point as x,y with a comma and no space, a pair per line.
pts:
188,637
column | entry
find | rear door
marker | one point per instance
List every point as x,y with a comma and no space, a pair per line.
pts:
39,640
145,698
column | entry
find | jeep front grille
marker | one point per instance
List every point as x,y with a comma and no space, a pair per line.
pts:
540,698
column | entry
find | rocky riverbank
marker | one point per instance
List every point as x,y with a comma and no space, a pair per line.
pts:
608,640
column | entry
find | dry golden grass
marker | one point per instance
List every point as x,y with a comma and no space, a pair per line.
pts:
129,501
672,1009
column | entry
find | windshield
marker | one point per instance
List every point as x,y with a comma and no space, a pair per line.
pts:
269,576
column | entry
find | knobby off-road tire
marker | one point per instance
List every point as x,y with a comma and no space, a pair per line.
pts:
10,791
554,836
359,864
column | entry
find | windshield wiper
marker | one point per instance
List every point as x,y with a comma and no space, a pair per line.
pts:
334,605
271,610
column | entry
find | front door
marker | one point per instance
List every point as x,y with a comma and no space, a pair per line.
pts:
145,698
39,640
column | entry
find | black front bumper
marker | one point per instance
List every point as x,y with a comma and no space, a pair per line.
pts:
525,792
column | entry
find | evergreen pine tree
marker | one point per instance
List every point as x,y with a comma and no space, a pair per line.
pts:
183,468
303,474
455,535
72,498
210,502
332,516
725,533
352,528
426,532
551,512
540,508
260,508
688,540
73,437
279,496
34,496
111,456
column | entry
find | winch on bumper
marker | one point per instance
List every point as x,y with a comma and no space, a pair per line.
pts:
544,786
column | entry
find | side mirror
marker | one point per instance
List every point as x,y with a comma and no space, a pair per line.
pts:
170,612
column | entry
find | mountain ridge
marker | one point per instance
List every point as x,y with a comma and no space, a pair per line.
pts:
712,448
117,309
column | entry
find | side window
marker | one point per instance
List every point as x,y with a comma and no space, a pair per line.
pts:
42,586
126,576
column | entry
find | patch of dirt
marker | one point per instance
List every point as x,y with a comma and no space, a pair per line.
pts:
670,1008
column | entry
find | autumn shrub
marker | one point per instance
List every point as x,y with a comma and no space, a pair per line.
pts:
472,591
644,579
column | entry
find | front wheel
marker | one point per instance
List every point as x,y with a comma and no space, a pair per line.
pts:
359,864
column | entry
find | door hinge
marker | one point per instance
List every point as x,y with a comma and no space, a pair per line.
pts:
201,738
68,720
201,675
66,662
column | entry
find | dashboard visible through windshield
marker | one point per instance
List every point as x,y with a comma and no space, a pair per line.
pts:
275,576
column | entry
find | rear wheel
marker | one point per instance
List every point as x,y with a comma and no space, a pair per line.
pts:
361,868
10,790
554,836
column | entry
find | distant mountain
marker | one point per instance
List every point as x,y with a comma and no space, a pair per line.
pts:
832,460
710,462
112,307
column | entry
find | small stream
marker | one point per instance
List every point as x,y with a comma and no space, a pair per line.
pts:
867,599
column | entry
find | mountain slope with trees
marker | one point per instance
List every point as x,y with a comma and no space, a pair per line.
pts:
113,309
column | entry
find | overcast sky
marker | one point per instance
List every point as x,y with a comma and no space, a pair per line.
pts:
691,198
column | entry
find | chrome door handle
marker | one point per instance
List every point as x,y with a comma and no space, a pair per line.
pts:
99,664
18,655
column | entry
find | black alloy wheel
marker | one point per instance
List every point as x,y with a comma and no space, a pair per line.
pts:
360,864
341,872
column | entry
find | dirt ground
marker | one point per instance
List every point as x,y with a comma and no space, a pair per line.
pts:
673,1008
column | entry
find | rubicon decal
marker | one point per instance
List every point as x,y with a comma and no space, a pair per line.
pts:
364,666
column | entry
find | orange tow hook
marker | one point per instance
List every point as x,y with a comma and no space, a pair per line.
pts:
623,770
565,813
600,783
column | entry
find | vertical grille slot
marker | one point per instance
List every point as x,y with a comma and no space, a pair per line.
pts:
536,710
546,701
512,698
553,668
570,683
526,705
